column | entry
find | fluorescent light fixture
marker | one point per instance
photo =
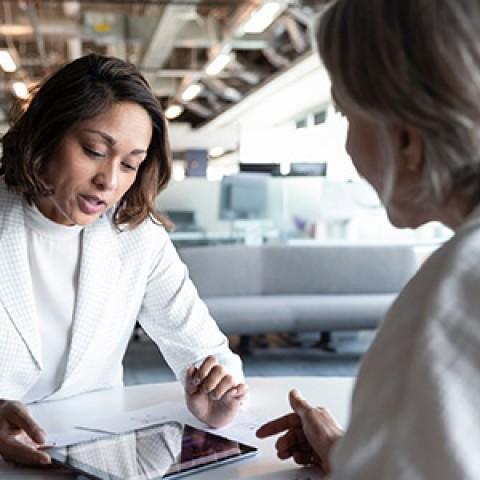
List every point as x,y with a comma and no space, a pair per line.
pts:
216,152
15,30
6,61
20,90
71,8
191,91
173,111
218,64
262,18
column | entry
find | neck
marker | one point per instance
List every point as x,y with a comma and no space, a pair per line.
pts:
50,208
455,211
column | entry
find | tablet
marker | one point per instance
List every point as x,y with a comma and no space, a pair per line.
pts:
168,450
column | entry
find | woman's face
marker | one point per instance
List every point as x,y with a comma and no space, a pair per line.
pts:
96,163
366,147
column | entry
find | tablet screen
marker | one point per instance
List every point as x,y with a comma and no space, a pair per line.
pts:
169,450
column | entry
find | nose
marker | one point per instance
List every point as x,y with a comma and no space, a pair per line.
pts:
106,177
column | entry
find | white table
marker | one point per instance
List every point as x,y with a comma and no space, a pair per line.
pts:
268,399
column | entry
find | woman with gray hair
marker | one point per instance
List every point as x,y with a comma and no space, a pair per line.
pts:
406,74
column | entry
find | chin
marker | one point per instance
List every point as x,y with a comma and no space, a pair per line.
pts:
403,221
84,220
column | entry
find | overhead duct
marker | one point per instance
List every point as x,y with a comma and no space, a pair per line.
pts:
171,23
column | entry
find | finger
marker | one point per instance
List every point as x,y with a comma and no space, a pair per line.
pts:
190,386
235,395
302,458
214,378
239,391
284,454
204,369
298,403
278,425
226,385
20,417
20,452
292,439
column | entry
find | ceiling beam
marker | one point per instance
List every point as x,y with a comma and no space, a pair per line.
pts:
171,23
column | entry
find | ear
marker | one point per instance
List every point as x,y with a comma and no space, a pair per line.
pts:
410,149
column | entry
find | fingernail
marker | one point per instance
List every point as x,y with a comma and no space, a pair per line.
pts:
45,461
196,381
47,445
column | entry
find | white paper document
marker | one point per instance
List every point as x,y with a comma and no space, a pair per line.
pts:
242,429
134,419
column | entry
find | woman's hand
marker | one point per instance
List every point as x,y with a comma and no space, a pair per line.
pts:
310,434
212,394
20,437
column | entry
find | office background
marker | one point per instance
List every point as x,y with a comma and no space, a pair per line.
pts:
258,149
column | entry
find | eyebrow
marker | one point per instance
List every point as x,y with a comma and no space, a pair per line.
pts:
111,141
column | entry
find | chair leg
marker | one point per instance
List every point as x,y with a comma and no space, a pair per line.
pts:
244,346
325,342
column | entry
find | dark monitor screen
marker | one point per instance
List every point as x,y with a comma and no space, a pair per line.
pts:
296,169
243,197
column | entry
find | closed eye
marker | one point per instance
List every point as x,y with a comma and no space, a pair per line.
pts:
93,153
129,166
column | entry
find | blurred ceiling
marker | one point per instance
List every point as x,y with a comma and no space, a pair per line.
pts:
201,56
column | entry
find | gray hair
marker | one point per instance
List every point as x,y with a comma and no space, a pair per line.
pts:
414,61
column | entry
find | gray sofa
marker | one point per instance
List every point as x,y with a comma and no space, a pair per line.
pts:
251,290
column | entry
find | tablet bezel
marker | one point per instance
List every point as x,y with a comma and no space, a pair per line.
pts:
58,457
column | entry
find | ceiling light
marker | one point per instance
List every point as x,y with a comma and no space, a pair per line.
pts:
191,92
20,90
173,111
6,61
262,18
218,64
216,152
71,8
15,29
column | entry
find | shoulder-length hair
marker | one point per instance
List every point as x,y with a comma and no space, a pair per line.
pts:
416,62
77,92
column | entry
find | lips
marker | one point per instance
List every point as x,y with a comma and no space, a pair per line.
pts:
90,204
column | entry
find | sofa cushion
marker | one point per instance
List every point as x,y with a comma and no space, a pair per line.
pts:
336,269
288,313
233,270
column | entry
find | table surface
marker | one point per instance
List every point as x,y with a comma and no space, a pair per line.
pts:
268,399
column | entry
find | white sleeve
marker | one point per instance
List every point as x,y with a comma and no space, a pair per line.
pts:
177,320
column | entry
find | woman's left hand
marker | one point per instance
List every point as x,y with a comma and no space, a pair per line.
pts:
212,394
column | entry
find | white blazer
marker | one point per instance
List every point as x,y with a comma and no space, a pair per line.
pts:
124,277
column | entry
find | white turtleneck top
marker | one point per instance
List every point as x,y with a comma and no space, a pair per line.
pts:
54,254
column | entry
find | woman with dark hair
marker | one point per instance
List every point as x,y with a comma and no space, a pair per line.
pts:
406,74
84,254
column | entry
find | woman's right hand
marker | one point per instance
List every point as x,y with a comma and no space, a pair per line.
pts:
311,433
20,436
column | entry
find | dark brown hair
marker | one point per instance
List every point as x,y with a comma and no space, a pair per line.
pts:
77,92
